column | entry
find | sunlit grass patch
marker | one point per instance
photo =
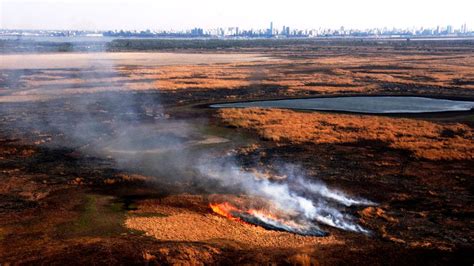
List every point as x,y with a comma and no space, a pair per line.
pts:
435,141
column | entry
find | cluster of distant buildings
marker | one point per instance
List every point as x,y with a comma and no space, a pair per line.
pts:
270,32
287,32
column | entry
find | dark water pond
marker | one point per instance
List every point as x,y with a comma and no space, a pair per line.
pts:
366,104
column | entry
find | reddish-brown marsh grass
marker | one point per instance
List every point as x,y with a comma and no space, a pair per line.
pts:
425,139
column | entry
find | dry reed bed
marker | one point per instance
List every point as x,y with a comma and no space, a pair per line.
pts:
424,139
325,75
189,218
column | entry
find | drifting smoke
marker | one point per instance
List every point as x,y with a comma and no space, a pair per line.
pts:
295,196
131,127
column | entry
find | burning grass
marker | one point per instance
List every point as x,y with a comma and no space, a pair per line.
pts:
424,139
265,219
193,214
48,218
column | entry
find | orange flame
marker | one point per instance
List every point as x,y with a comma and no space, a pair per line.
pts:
264,218
224,209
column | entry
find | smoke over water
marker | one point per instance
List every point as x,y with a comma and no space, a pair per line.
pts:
134,129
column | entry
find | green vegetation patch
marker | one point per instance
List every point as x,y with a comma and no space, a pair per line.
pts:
99,216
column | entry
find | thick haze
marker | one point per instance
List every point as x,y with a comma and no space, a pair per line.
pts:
185,14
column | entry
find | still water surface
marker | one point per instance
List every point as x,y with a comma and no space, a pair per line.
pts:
366,104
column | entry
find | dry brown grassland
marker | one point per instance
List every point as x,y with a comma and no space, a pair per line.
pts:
424,139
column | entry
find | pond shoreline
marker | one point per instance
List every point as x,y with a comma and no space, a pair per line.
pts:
389,113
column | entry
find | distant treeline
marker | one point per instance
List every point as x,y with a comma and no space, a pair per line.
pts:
28,46
207,44
248,44
123,45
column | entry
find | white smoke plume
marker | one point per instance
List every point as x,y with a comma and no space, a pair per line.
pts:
131,128
296,196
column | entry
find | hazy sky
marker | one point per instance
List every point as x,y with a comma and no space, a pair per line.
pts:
184,14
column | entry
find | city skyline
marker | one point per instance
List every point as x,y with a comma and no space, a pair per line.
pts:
270,32
209,14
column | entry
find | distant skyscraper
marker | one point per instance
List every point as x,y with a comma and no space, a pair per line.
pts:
449,29
464,28
270,30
